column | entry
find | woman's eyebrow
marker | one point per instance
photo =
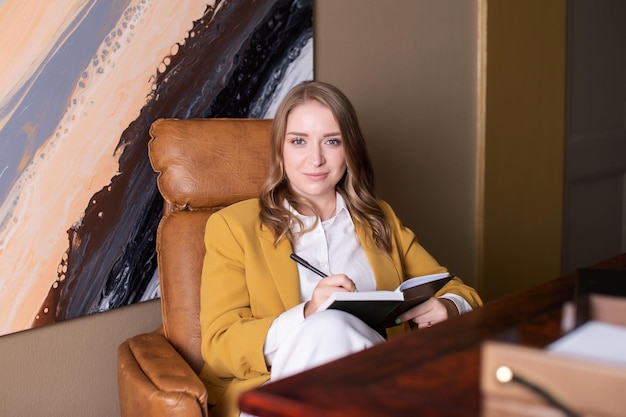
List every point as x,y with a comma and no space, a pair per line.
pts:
297,134
326,135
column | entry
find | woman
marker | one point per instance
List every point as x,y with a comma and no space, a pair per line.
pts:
259,313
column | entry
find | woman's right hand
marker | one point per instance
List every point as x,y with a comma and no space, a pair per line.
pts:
325,287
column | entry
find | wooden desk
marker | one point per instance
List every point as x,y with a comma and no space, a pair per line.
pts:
431,372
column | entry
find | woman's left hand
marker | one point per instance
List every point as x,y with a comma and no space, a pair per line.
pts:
432,311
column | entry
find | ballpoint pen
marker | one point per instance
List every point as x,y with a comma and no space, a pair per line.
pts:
310,267
307,265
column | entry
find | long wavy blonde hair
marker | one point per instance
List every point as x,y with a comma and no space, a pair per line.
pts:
357,184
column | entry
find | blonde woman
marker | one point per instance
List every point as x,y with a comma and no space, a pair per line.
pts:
259,309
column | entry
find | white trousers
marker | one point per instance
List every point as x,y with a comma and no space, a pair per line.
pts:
323,337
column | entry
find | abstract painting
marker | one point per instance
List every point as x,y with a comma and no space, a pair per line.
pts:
81,83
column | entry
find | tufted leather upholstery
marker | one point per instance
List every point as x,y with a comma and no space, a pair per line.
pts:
203,165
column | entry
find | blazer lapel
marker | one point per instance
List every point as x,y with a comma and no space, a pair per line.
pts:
388,277
284,272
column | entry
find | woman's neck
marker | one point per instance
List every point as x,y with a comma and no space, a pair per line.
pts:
324,210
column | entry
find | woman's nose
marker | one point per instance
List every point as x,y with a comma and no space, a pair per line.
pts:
316,156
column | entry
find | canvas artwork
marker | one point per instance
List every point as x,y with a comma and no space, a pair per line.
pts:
81,83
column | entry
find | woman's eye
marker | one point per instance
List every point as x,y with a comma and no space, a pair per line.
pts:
297,141
334,142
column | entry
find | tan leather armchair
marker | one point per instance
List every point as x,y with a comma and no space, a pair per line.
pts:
203,166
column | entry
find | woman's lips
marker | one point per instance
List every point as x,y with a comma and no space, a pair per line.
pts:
316,177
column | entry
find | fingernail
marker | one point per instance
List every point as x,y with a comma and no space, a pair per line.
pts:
398,321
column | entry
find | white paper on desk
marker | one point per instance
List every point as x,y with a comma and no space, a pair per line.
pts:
594,340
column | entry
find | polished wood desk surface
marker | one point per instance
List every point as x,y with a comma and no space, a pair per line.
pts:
430,372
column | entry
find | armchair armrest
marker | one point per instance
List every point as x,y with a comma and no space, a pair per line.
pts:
154,380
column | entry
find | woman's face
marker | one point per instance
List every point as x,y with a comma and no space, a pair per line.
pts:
313,153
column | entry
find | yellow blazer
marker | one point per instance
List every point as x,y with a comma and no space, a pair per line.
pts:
247,282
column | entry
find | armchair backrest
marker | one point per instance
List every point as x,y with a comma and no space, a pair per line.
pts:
203,165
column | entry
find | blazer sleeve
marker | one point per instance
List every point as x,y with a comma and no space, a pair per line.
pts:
414,260
232,339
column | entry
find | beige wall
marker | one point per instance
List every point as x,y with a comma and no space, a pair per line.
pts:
410,68
69,369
